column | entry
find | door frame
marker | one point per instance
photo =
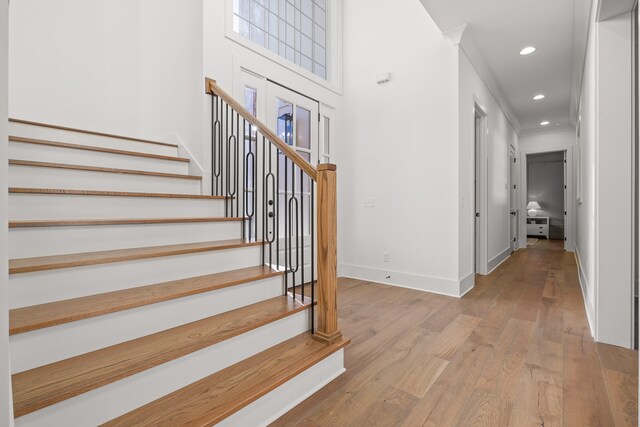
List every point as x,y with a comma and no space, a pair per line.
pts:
480,135
570,206
513,199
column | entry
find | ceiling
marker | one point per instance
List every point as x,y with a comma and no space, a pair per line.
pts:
499,29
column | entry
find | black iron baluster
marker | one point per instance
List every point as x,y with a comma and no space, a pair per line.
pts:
256,211
249,207
301,236
214,133
313,262
244,180
227,164
286,224
270,234
277,195
264,202
236,165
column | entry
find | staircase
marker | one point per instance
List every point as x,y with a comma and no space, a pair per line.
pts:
139,297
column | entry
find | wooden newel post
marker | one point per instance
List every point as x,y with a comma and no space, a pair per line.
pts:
327,330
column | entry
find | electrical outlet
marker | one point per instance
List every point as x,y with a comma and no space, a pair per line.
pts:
369,202
387,257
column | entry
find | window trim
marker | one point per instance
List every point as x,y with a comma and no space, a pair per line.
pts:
334,42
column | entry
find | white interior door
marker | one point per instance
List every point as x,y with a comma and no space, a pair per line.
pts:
514,211
566,202
294,118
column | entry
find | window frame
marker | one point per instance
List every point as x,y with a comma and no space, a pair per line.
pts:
333,81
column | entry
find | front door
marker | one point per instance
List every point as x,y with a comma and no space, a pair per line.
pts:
294,118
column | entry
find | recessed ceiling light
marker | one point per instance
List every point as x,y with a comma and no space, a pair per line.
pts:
538,97
527,50
545,123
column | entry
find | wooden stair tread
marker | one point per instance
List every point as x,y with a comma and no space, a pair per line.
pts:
56,313
121,221
90,132
69,192
52,262
53,383
216,397
97,149
16,162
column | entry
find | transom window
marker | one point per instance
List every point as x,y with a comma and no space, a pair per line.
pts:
294,29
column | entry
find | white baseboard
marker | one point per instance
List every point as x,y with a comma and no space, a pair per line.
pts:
467,283
273,405
436,285
498,259
582,278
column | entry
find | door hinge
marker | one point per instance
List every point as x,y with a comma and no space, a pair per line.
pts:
565,212
319,118
515,160
565,187
565,239
514,186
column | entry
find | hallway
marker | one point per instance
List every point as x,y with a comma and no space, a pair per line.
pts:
516,351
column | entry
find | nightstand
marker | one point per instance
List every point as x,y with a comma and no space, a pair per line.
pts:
538,226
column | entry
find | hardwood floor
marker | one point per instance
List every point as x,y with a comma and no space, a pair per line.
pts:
515,351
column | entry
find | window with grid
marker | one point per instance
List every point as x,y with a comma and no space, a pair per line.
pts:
294,29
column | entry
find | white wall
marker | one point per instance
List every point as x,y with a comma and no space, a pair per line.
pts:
171,76
585,212
500,137
6,406
75,63
409,145
119,66
614,162
400,147
604,244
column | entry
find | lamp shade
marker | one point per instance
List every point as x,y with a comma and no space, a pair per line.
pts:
533,205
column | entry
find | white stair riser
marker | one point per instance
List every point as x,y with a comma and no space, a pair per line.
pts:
40,287
37,177
278,402
105,403
59,135
42,241
75,338
43,206
45,153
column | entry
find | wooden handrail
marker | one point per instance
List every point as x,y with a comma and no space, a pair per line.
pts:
327,330
211,87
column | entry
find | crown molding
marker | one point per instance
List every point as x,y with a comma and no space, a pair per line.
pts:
461,36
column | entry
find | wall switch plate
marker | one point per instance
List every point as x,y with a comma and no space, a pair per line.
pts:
387,257
369,202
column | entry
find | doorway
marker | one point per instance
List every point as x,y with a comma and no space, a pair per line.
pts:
480,191
546,196
295,118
